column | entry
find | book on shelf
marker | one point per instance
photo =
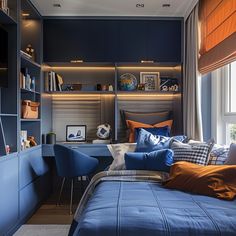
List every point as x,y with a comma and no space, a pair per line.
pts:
53,82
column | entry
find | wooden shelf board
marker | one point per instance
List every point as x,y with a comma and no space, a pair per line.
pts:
30,120
28,91
84,64
29,62
10,115
147,92
81,92
6,19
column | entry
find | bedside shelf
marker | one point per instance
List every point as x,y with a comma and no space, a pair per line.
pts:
6,19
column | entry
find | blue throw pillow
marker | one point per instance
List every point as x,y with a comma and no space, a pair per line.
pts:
163,131
147,142
158,160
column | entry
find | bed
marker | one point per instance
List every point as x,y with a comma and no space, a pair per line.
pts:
134,203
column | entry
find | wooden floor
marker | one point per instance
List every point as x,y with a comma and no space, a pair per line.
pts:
50,213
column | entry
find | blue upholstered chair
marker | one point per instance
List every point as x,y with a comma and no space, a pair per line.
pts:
70,164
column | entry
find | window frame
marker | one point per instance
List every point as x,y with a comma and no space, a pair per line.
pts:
220,109
228,117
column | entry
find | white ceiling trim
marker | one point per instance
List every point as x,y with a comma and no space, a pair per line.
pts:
116,8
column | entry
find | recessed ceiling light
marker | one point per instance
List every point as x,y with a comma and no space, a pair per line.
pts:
57,5
140,5
166,5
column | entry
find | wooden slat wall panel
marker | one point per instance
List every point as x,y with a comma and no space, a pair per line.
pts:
141,104
76,110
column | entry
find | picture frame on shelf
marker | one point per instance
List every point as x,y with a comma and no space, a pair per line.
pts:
76,133
151,80
169,84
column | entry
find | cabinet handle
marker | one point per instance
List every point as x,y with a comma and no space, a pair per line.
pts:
76,61
144,61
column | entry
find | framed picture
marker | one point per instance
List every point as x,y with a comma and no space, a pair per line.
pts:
151,80
76,133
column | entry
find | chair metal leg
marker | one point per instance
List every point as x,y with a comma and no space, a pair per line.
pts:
71,195
62,186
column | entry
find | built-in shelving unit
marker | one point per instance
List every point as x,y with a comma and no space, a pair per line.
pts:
68,107
8,95
31,31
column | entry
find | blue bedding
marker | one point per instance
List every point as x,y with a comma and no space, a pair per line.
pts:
145,208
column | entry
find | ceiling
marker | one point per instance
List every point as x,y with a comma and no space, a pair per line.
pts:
178,8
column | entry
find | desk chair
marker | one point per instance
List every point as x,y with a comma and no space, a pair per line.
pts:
71,163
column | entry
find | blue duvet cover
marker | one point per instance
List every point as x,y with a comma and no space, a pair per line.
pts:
128,204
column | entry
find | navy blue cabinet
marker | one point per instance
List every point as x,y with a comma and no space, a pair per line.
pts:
132,41
112,40
66,40
8,193
164,40
34,181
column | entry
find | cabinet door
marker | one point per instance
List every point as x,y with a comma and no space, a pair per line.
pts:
91,40
132,41
164,40
111,41
66,40
8,193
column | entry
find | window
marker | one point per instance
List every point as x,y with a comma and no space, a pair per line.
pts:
229,102
232,87
224,104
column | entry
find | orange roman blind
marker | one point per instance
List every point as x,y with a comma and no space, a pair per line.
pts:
218,34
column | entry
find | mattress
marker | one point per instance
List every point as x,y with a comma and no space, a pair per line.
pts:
131,206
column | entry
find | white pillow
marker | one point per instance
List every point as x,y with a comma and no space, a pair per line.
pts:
118,152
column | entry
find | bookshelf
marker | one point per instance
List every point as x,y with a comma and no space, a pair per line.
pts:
105,106
30,75
8,95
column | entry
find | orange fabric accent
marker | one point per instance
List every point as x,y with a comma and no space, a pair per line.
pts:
218,23
214,180
132,125
164,123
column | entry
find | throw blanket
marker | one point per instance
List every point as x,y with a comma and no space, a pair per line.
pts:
129,203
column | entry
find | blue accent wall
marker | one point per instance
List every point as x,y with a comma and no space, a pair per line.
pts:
206,106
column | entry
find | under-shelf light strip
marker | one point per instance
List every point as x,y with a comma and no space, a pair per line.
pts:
113,95
111,67
80,68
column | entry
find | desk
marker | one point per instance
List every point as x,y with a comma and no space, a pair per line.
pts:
93,150
99,151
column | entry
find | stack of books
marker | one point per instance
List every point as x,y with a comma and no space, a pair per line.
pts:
53,82
4,6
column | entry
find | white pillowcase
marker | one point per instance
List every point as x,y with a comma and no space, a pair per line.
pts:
118,152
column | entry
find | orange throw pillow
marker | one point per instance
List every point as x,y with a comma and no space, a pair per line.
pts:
214,180
132,125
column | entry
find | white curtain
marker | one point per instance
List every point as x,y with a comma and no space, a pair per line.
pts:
192,121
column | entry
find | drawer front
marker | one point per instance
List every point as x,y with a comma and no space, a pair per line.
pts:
32,165
33,194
